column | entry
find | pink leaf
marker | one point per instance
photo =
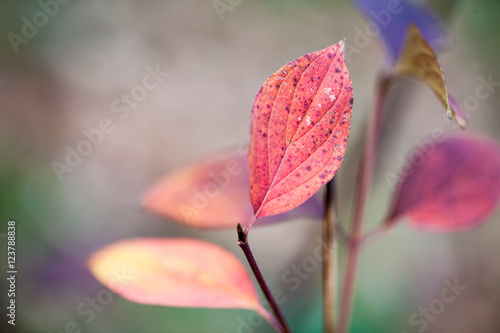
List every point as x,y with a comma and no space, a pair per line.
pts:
299,129
176,272
213,193
453,185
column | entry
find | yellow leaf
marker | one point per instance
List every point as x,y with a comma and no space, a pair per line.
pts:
419,60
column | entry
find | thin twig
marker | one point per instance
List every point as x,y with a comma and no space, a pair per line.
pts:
362,190
329,261
243,244
375,233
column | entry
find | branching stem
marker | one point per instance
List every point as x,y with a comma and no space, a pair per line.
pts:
362,190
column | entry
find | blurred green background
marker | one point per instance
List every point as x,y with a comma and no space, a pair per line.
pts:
66,79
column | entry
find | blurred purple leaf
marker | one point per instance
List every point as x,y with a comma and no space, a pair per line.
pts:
452,186
393,17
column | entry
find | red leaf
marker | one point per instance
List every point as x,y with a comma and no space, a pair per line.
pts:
213,193
452,186
299,129
176,272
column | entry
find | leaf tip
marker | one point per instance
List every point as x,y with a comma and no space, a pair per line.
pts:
342,45
463,123
457,114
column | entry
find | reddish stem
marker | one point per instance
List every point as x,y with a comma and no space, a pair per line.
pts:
243,244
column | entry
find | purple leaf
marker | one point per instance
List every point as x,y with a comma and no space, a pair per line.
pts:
392,18
452,186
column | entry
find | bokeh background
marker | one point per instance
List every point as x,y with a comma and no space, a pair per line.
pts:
65,79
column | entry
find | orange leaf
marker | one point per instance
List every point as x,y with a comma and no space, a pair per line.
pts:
454,185
176,272
299,128
419,60
213,193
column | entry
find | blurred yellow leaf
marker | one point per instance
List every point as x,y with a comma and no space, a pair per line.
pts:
176,272
417,59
